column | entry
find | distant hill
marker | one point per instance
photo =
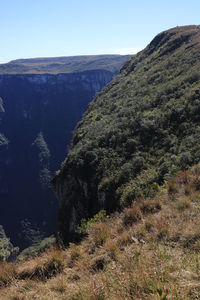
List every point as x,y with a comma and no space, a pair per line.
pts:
68,64
138,131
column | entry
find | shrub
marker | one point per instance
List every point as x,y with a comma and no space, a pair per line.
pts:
185,159
7,251
149,206
37,248
193,77
85,225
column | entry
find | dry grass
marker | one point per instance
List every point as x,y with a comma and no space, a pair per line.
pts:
132,215
7,273
99,233
149,251
43,267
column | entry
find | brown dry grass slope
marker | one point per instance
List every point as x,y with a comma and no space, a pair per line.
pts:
149,251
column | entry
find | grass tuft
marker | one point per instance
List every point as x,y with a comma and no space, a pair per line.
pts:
45,268
132,215
7,273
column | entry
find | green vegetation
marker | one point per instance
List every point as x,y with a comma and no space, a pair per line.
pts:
142,127
85,225
7,250
43,156
30,232
37,248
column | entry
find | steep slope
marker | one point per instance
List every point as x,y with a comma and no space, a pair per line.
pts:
140,129
149,251
39,112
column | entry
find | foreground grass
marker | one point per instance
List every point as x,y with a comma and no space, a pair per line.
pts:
149,251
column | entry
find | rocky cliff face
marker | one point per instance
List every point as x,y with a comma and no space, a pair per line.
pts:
38,113
3,150
138,131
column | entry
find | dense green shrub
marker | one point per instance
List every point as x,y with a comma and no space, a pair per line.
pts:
37,248
85,225
143,126
7,250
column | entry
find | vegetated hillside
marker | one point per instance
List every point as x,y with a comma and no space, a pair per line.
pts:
148,251
142,128
68,64
38,113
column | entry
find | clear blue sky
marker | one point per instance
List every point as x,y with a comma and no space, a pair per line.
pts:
38,28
